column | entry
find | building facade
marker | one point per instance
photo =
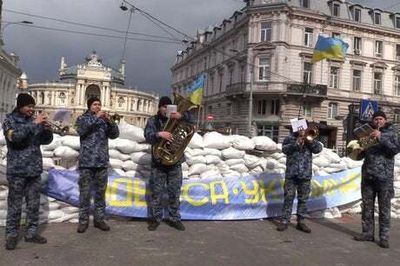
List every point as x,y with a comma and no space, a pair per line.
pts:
9,74
77,83
259,70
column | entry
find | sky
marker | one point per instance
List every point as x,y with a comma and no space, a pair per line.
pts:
147,63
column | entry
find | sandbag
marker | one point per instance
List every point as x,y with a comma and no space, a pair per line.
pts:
215,140
232,153
264,143
242,142
131,132
196,142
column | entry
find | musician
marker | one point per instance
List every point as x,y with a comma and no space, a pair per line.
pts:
94,128
298,150
377,179
24,134
169,176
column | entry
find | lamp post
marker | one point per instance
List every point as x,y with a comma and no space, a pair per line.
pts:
12,23
123,7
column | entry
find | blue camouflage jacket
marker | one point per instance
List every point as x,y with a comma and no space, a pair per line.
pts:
94,133
299,158
379,159
24,138
156,124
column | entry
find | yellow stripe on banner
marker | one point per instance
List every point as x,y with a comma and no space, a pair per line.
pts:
333,52
197,96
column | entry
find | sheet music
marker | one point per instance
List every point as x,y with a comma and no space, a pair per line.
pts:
298,124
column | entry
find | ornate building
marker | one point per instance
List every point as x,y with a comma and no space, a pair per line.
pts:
9,73
259,70
78,83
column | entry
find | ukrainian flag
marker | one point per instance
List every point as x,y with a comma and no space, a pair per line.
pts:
328,47
196,90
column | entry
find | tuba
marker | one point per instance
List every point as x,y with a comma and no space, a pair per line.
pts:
356,148
170,152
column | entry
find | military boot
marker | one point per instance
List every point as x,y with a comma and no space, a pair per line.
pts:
11,242
303,227
101,225
282,226
383,243
178,225
37,239
82,227
364,238
153,224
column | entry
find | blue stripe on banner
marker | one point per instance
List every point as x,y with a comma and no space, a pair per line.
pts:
214,199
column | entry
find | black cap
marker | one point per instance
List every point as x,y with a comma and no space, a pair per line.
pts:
379,113
24,99
91,100
165,100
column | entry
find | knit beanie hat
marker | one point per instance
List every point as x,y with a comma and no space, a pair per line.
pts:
165,100
24,99
379,113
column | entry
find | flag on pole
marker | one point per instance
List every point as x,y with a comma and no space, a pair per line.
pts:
196,90
328,47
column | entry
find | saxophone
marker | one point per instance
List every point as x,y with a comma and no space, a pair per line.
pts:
170,152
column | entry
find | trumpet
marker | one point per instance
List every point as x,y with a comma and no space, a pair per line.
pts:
58,128
115,118
309,134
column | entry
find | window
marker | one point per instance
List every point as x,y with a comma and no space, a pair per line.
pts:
377,18
221,77
378,48
357,15
356,80
335,35
357,45
332,110
261,107
229,108
307,73
62,97
275,107
307,109
336,10
377,83
308,37
396,118
271,131
120,101
264,69
230,76
266,30
397,85
397,22
397,51
305,3
334,78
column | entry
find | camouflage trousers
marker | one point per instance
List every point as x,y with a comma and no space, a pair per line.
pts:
18,188
370,189
95,178
169,178
303,187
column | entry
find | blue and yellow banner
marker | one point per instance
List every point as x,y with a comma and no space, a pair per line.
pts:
196,90
327,47
214,199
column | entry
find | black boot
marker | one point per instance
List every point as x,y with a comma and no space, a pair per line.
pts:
303,227
37,239
383,243
363,238
178,225
11,242
101,225
282,226
82,227
153,224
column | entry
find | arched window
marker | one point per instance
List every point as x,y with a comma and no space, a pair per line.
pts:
121,101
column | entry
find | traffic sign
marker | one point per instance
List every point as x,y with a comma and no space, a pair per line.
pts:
367,109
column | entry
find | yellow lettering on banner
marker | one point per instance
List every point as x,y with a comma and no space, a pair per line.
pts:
263,191
127,202
224,195
271,189
186,190
350,183
139,193
255,193
328,187
316,189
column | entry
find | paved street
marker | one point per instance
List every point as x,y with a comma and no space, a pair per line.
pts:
206,243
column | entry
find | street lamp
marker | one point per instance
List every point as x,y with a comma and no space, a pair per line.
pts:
123,7
11,23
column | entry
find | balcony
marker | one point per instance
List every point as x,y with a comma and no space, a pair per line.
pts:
308,90
236,89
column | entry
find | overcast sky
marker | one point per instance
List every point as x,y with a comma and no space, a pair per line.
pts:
148,63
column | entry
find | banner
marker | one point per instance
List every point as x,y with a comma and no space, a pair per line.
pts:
214,199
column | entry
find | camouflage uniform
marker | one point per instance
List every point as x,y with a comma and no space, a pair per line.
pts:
298,175
24,167
93,162
161,176
377,180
